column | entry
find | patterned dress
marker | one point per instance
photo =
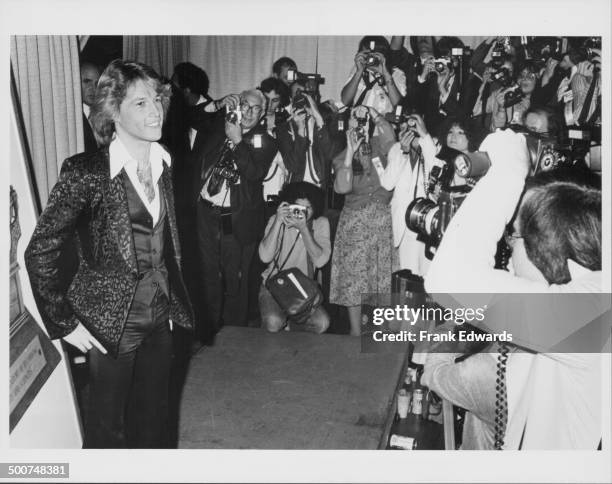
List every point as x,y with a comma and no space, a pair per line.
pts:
362,260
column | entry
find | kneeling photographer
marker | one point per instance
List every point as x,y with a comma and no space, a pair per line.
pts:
553,399
296,237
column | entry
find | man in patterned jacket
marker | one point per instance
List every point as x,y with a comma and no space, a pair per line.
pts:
128,291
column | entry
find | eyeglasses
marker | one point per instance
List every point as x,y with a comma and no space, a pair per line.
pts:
527,76
246,108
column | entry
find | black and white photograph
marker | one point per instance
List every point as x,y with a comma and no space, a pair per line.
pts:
284,243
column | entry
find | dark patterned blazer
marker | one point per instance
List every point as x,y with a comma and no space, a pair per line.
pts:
86,201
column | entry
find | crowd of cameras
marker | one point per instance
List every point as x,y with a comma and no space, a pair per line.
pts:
429,216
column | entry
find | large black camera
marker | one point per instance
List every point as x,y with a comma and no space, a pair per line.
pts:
430,216
281,116
300,101
501,51
224,170
362,116
502,76
513,96
311,82
540,49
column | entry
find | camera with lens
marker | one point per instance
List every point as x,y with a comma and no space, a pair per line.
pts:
311,82
501,50
540,49
362,117
502,76
298,211
281,116
429,216
587,48
227,170
224,170
513,97
300,101
545,154
233,116
441,63
372,60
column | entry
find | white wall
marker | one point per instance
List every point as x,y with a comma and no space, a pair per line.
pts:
234,63
51,421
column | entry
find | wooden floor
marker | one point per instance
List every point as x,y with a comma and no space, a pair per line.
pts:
255,390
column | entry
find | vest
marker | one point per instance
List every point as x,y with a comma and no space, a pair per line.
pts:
149,244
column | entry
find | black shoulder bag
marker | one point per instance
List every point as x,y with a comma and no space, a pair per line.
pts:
296,293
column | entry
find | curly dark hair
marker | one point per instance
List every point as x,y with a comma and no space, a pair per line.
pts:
191,76
111,90
278,86
473,134
283,62
296,190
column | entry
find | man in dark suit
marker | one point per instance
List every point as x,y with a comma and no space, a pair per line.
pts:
128,291
188,121
235,157
90,73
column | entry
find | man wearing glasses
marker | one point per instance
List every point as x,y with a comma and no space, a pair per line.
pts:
236,155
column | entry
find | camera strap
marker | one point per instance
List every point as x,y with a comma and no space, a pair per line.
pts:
309,150
368,86
277,255
586,107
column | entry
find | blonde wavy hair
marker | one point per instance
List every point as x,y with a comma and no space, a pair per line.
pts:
111,90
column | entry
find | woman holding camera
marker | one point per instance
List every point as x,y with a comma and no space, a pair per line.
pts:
362,258
372,82
297,236
509,104
410,160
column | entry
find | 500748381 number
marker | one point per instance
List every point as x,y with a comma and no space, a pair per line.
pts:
34,470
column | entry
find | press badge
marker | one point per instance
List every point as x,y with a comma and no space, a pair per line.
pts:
257,141
341,125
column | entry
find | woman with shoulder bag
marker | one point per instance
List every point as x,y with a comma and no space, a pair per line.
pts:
296,237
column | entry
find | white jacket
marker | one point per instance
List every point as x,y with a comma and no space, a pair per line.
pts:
401,177
554,399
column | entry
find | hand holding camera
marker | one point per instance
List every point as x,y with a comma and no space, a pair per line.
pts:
429,66
360,62
586,68
353,142
233,130
231,102
283,214
297,216
416,124
549,68
407,137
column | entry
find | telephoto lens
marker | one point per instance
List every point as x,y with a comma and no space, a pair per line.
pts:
422,216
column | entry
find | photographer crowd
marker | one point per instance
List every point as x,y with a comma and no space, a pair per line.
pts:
274,185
